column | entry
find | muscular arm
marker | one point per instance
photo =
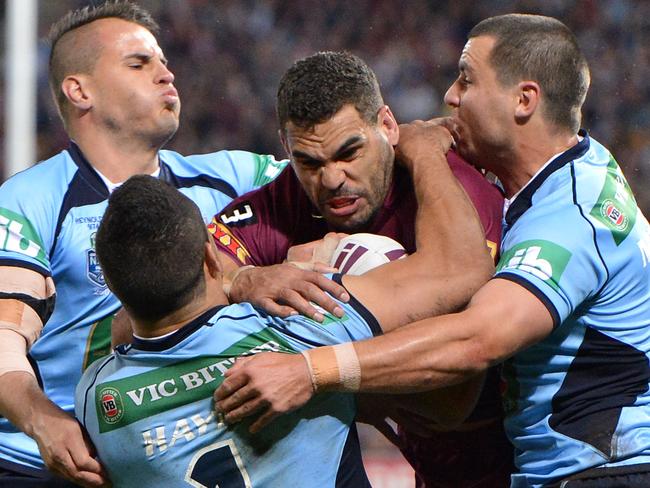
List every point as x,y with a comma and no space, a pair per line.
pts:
501,319
451,261
450,264
60,439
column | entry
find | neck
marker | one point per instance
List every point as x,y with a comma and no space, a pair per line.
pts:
184,315
528,155
117,159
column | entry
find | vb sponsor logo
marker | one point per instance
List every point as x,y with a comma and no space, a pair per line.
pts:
614,214
111,404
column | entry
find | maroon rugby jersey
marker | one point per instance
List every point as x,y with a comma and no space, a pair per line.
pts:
259,228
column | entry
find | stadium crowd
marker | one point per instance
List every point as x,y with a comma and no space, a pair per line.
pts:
229,56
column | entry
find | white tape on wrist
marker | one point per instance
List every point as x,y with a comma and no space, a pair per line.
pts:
334,368
13,353
228,286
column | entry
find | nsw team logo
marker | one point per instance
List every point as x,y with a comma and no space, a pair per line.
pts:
94,270
111,406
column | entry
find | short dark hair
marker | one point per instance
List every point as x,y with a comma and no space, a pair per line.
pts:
69,54
151,246
544,50
317,87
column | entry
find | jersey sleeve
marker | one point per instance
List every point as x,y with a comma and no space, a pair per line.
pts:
247,229
27,224
243,171
357,324
486,197
560,264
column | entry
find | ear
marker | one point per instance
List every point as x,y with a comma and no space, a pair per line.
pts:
75,88
283,139
212,264
388,124
528,99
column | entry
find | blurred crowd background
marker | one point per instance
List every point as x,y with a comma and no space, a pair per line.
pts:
229,55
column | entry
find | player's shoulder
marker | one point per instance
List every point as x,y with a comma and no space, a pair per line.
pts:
283,196
473,181
52,173
96,372
223,162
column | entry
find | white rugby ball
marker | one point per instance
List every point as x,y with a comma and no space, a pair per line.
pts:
362,252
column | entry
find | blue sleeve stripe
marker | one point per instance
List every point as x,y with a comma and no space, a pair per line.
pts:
515,278
591,226
166,174
25,264
370,319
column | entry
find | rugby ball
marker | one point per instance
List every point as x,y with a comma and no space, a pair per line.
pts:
358,253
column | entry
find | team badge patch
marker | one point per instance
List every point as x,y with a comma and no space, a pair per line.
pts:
110,405
93,269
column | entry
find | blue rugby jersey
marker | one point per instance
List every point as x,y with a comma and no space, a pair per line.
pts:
49,215
579,399
149,411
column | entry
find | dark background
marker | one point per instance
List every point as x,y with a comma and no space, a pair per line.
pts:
228,57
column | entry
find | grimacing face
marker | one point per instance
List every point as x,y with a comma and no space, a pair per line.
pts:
482,108
131,88
345,165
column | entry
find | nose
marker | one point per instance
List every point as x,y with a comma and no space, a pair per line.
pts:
451,96
332,177
164,75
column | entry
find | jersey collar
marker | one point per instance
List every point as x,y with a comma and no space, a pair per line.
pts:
524,200
181,334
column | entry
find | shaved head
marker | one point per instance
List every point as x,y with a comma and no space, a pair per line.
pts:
75,43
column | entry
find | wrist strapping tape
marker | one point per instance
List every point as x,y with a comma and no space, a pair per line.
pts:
334,368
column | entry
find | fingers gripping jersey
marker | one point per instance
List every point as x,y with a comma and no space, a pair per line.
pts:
49,215
576,239
149,409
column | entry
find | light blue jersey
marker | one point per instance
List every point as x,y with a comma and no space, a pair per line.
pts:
579,399
149,411
49,215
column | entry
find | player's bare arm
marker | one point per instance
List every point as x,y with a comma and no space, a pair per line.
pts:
24,295
437,191
501,319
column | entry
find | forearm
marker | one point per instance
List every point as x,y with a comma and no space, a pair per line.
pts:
429,354
448,231
24,404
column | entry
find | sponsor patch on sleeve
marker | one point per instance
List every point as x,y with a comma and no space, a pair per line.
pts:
17,234
616,207
542,259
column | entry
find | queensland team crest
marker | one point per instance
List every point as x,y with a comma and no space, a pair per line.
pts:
93,269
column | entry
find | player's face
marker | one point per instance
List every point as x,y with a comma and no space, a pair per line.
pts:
345,165
482,106
131,87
